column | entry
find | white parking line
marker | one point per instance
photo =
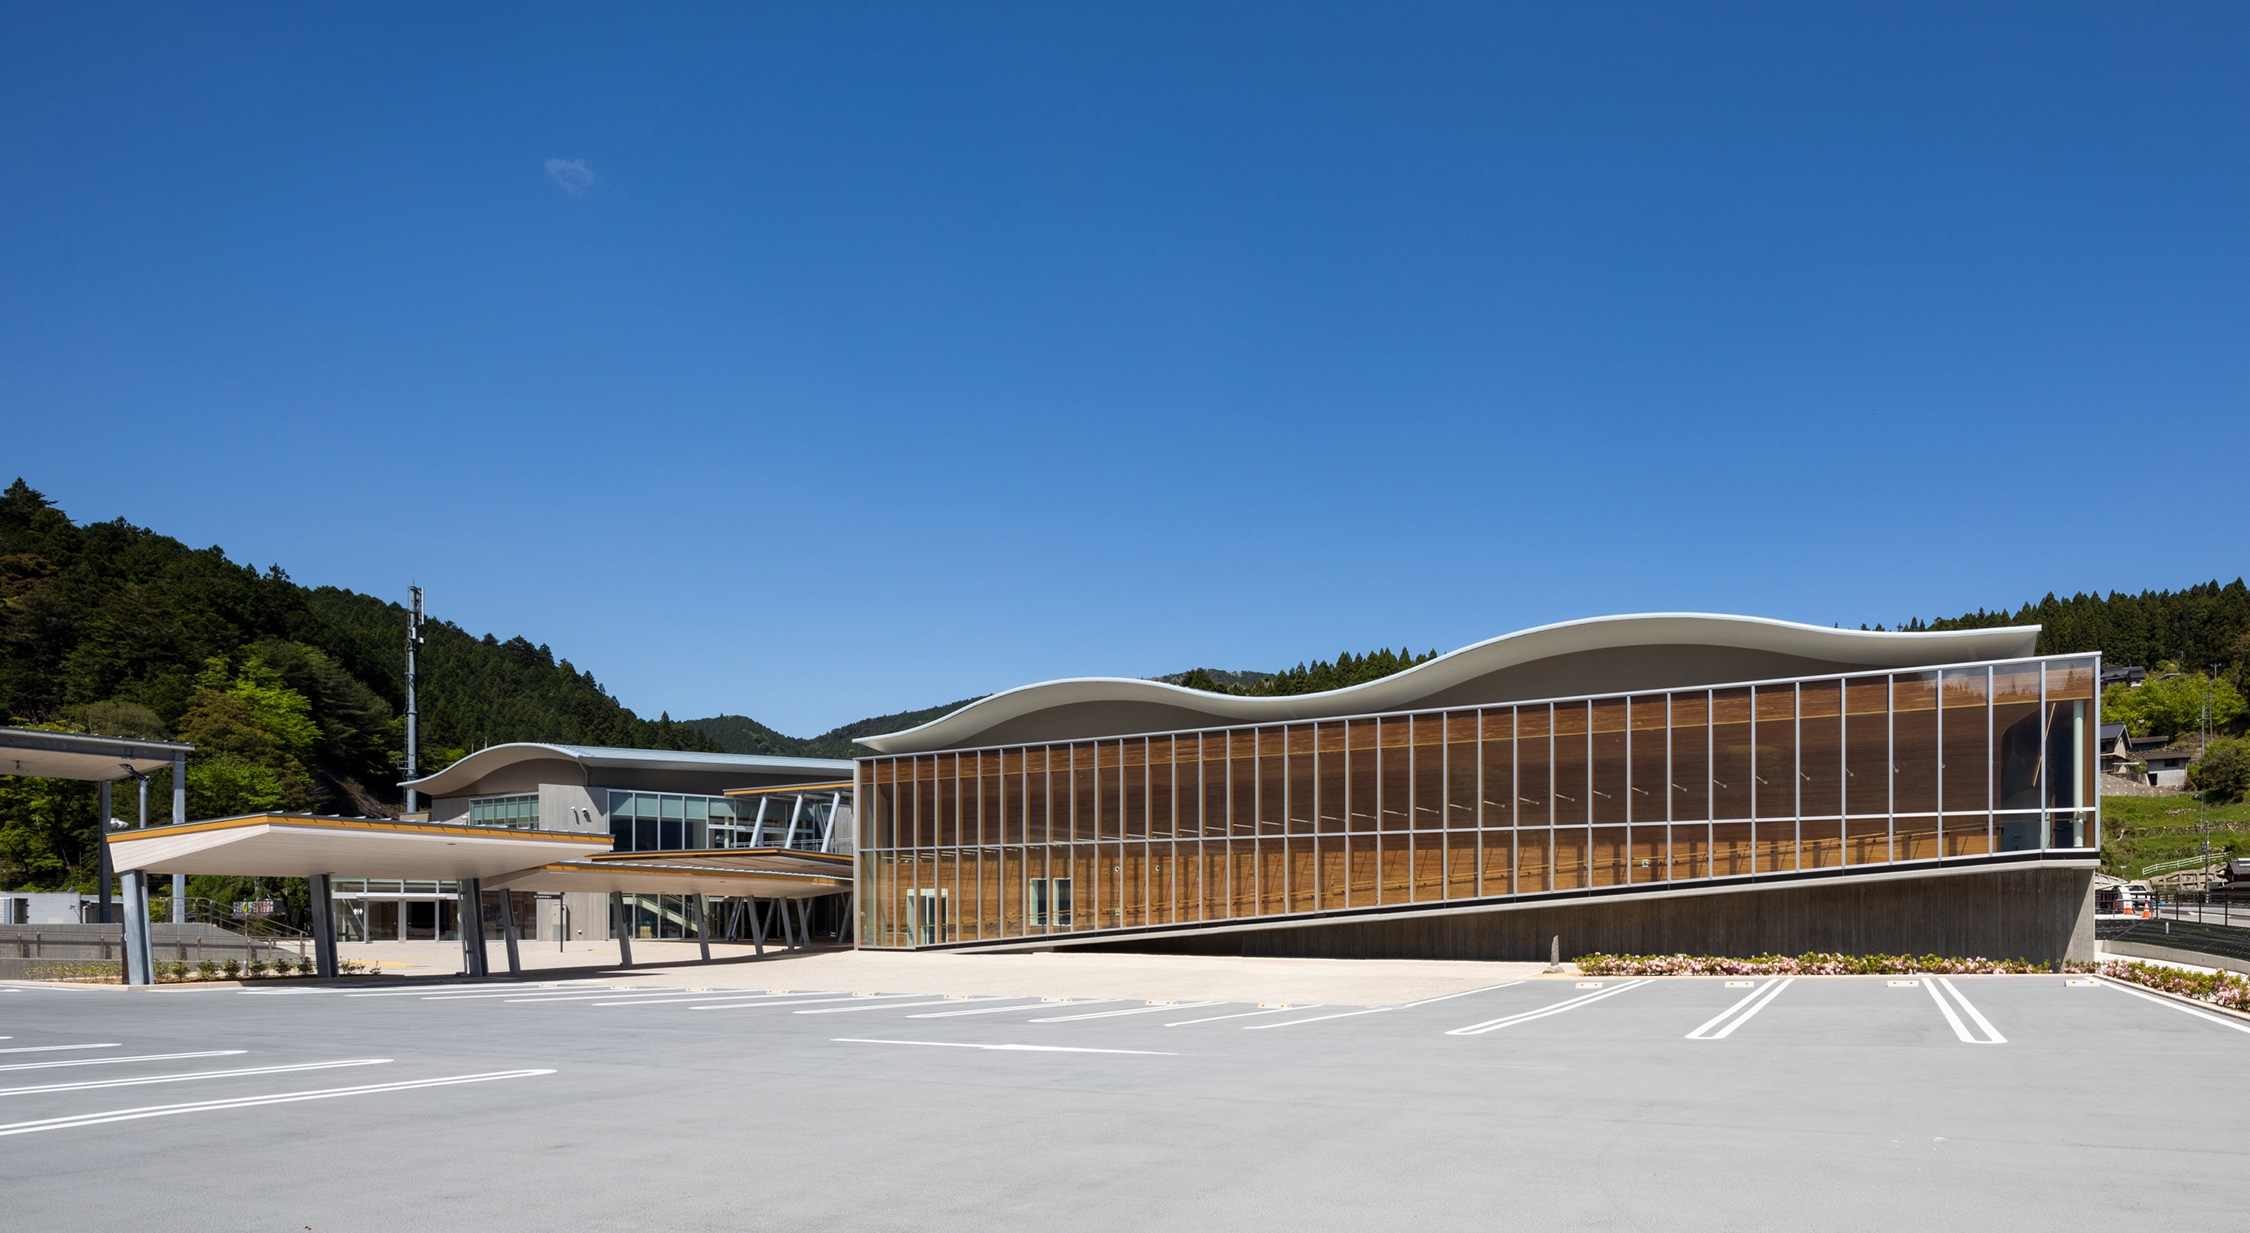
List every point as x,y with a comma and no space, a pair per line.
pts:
1959,1029
1247,1014
57,1048
996,1010
770,1003
2237,1024
1342,1014
137,1081
577,994
955,1044
705,996
1567,1004
419,991
245,1102
1447,997
1112,1014
845,1010
1768,992
115,1061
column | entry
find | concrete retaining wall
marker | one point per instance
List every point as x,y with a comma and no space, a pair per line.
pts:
2042,914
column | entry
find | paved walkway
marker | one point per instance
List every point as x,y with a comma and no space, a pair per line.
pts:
1335,982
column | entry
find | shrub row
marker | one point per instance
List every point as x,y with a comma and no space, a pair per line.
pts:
1814,964
168,971
2218,988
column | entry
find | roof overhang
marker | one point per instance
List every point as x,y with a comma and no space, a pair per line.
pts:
302,845
670,878
757,860
457,778
76,755
1860,649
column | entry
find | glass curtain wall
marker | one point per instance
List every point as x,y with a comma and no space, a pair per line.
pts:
670,822
1580,795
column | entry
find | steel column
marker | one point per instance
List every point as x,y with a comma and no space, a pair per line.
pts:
107,875
703,926
757,929
179,815
471,914
138,961
508,930
620,926
324,924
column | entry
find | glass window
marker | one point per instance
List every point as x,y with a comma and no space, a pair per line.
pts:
2071,756
1572,768
1914,742
1498,803
1360,798
1609,777
1774,757
1965,742
1820,751
1867,745
1428,807
1647,796
1395,783
1534,767
1331,800
1691,759
1460,774
2015,727
1730,756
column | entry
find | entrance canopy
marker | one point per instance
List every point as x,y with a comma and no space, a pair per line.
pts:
76,755
642,877
279,845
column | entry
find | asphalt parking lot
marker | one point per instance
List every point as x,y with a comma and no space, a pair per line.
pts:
1678,1103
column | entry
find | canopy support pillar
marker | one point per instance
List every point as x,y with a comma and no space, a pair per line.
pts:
179,815
139,963
703,925
323,887
757,930
471,913
508,931
620,926
109,917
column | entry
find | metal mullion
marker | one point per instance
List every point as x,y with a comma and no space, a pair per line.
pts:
1515,792
1477,814
1797,769
1991,773
2039,780
1710,776
1890,760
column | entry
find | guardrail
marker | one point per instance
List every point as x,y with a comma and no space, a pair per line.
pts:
2185,862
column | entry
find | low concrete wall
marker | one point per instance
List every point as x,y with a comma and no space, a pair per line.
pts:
2043,914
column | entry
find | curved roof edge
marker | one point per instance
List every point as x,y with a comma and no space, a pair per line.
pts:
1399,691
493,757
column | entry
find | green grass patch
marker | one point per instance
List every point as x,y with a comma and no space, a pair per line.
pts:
2142,830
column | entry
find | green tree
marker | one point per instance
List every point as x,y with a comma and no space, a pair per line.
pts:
2222,774
2172,705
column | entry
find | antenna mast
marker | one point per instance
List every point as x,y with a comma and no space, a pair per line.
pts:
413,717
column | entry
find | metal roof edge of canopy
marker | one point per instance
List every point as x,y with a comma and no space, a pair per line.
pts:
492,758
583,875
315,821
47,754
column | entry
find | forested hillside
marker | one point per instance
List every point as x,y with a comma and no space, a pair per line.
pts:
291,695
743,735
2193,630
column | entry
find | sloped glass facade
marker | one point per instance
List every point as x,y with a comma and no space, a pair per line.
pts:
1784,779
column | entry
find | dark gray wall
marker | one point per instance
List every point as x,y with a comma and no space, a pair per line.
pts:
2040,914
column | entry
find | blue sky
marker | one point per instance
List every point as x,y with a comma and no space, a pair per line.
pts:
812,362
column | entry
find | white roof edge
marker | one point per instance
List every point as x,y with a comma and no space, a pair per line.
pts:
493,757
1398,691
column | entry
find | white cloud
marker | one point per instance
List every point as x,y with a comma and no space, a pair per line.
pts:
572,173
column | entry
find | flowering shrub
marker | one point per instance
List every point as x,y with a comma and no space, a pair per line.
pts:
1814,964
2218,988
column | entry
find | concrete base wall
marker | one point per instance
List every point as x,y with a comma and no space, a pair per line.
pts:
2042,914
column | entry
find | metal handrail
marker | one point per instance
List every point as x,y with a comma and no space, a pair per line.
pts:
2185,862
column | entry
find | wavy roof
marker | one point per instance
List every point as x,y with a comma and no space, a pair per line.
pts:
1647,639
483,762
